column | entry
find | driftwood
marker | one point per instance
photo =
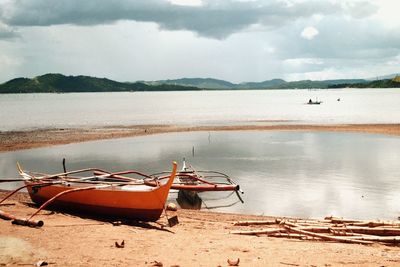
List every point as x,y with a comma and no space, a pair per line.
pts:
290,235
329,229
385,239
303,221
259,232
340,220
326,237
371,231
247,223
375,224
28,222
6,216
280,220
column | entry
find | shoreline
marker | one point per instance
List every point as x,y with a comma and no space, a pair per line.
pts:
18,140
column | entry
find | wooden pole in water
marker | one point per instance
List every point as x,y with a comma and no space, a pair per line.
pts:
63,163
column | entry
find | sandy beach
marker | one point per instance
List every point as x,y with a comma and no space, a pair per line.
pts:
16,140
200,239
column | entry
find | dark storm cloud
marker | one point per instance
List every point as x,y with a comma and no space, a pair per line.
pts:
216,19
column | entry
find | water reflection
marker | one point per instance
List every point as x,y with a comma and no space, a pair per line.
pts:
305,174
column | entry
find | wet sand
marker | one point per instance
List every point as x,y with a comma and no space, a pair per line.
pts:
16,140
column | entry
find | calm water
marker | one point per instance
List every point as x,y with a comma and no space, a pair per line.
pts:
27,111
282,173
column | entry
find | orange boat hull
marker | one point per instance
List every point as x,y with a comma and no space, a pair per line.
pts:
129,202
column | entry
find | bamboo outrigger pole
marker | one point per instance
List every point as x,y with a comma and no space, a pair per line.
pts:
26,186
10,180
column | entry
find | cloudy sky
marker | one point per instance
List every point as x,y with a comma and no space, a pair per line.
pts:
234,40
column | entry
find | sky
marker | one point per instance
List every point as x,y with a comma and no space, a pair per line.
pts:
233,40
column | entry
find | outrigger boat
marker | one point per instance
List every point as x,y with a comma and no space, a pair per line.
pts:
316,102
105,194
187,179
189,183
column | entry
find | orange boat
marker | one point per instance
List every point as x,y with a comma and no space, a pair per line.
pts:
101,195
186,179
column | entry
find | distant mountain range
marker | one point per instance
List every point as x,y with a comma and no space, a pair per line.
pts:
58,83
209,83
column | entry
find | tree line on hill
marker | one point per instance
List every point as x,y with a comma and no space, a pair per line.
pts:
58,83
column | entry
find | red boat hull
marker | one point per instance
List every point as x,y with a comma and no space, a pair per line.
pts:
139,202
142,214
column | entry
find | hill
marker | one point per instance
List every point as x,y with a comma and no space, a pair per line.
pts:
209,83
386,83
58,83
205,83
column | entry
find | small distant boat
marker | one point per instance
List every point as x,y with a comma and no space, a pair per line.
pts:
311,102
103,195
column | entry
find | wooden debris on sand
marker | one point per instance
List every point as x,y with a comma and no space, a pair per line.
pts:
330,229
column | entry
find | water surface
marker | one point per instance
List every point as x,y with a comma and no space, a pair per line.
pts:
29,111
306,174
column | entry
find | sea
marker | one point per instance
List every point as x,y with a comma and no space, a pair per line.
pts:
282,173
33,111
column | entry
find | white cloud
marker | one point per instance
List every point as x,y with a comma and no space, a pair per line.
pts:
333,73
8,62
186,2
303,61
360,9
324,74
309,33
9,65
395,61
388,12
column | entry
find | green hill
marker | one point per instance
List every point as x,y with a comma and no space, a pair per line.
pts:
208,83
274,83
386,83
205,83
58,83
